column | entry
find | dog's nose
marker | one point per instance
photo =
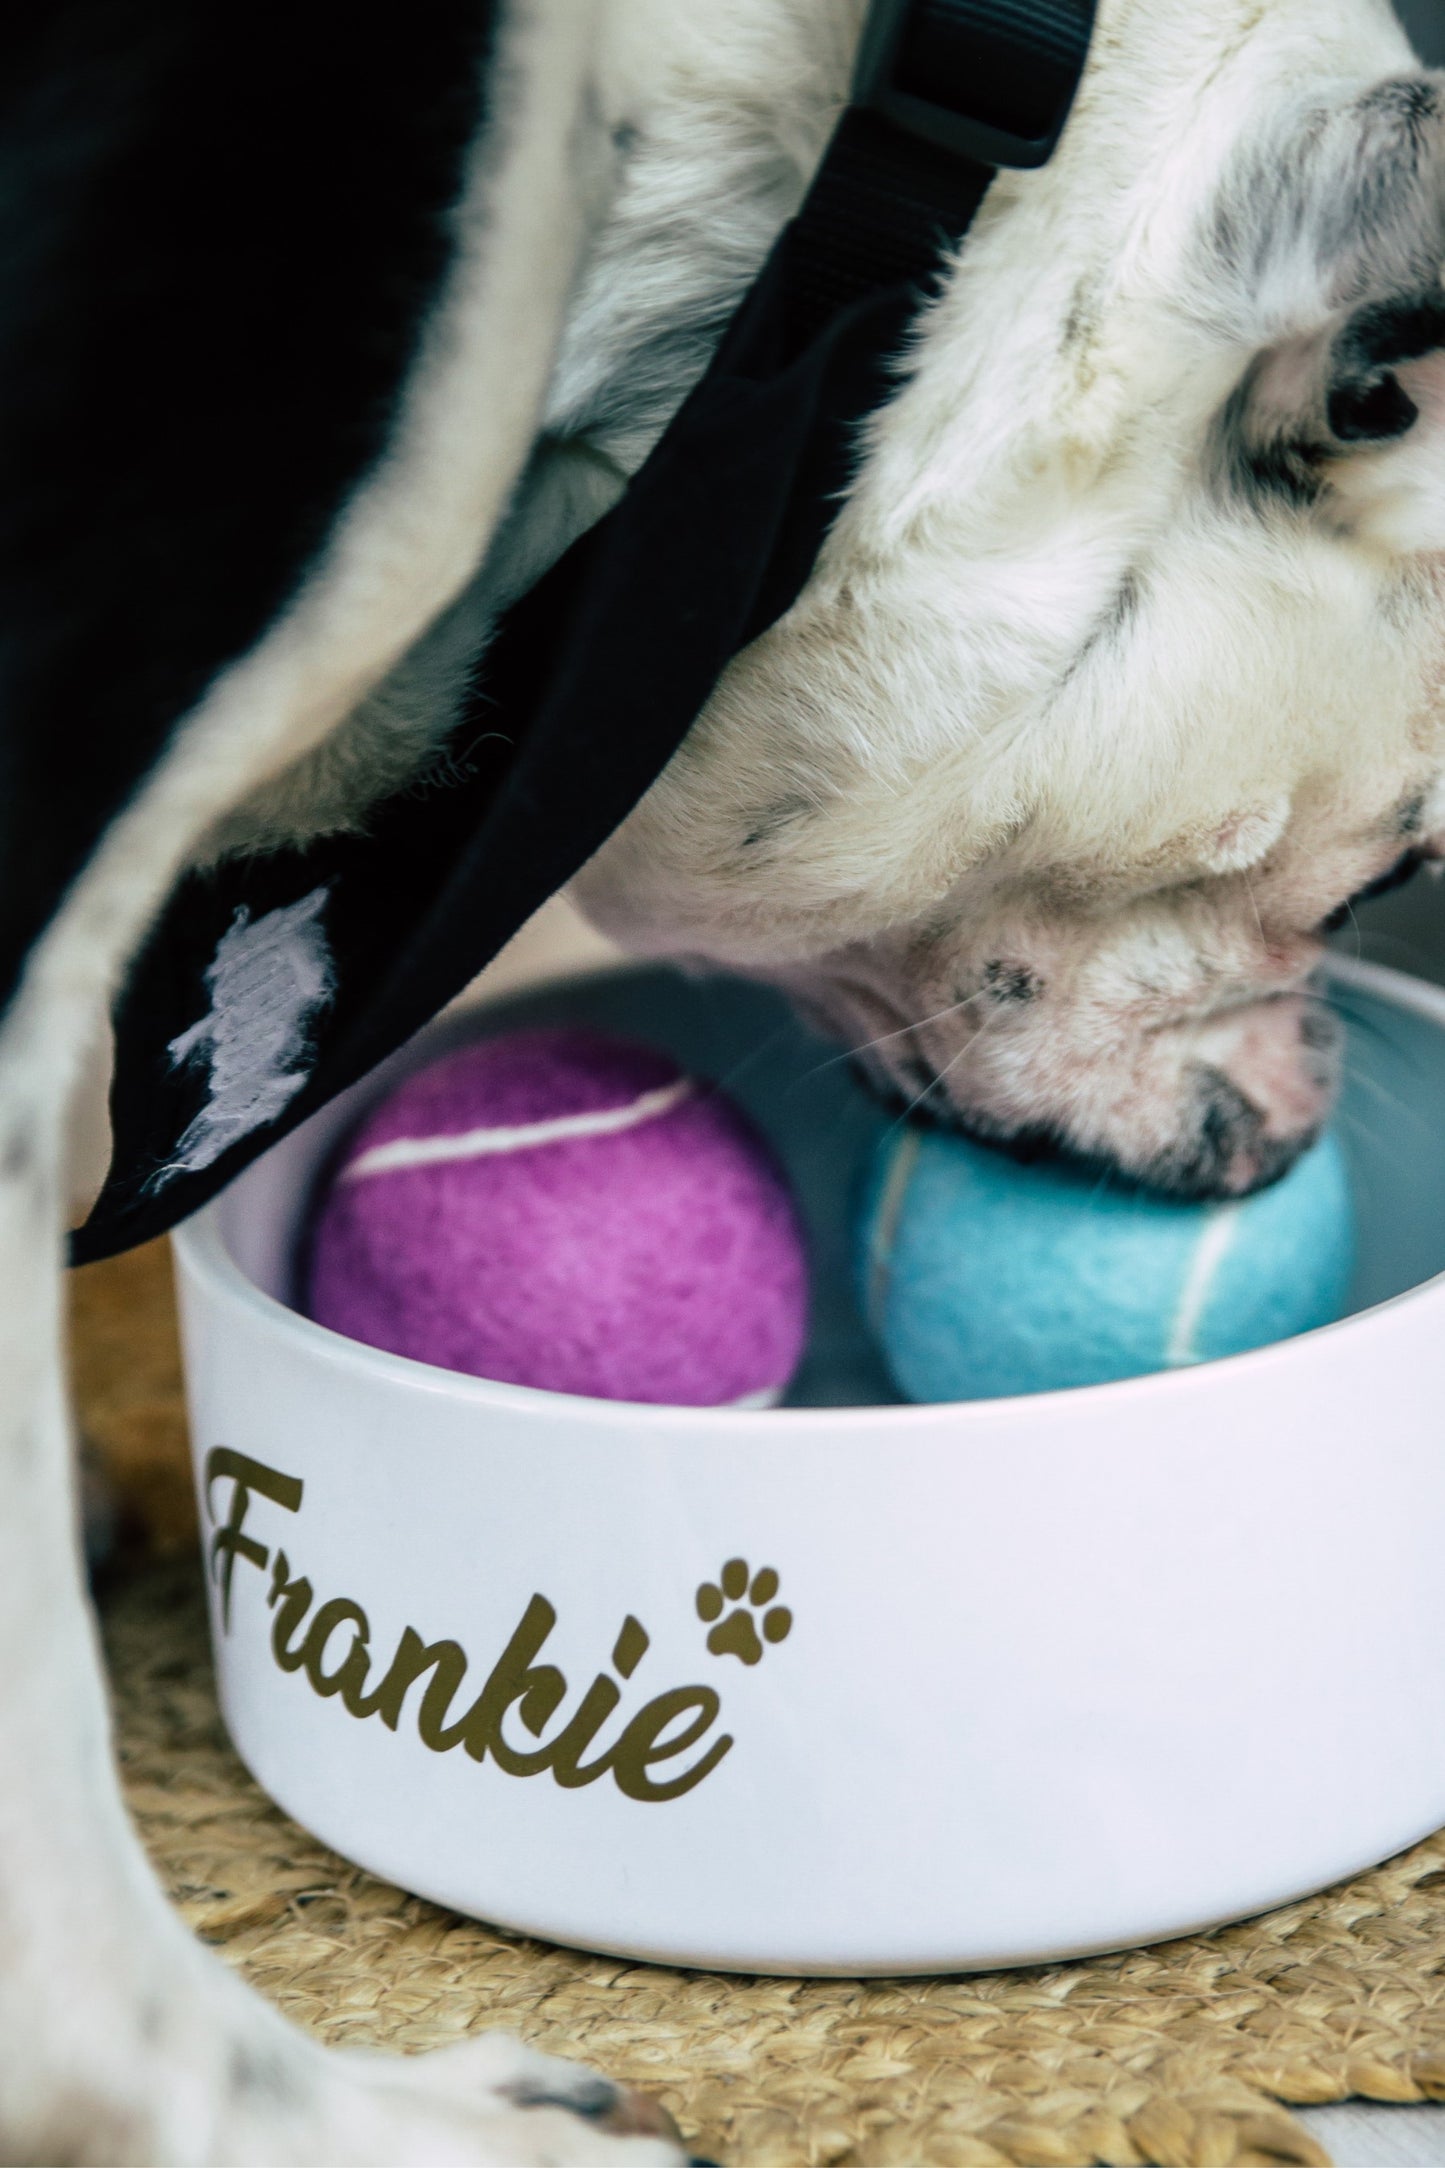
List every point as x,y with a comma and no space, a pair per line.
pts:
1255,1100
1227,1148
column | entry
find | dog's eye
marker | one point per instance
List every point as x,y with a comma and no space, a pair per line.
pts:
1406,866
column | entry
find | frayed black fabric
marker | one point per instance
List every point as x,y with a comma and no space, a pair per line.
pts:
590,684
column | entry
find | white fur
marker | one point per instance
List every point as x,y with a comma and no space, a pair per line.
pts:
1055,857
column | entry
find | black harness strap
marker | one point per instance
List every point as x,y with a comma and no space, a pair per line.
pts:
595,676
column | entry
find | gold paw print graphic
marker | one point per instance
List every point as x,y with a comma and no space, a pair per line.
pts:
737,1634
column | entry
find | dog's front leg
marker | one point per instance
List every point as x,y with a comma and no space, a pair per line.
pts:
122,2039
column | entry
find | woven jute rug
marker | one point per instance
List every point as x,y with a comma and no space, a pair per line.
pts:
1179,2055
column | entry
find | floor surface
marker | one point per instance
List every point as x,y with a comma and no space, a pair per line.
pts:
1355,2136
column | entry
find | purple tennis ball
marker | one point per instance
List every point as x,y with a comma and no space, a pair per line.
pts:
560,1209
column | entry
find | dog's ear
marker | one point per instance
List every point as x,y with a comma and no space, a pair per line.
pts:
1336,241
1373,362
1384,470
1350,423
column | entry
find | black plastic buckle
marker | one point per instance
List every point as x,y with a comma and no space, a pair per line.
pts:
966,134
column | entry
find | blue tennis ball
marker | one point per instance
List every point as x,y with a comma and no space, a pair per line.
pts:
984,1277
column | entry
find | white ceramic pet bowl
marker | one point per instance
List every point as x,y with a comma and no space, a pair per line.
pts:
1063,1673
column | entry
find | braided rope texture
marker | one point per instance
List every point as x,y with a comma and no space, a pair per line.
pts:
1180,2055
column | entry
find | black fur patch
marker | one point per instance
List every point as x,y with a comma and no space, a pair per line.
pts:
1011,985
1389,332
1123,607
1372,413
221,230
1266,472
1367,402
1409,104
589,2095
771,820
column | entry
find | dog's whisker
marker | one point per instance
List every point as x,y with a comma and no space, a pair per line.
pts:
904,1031
939,1078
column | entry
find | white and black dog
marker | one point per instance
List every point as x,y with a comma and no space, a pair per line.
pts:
1122,667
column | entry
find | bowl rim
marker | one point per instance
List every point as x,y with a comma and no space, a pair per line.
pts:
206,1260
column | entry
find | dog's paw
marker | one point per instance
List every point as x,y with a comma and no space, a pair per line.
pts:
491,2100
253,2094
737,1634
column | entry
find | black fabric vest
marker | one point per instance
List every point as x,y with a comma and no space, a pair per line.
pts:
594,678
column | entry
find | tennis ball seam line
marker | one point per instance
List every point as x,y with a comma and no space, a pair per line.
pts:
885,1224
1215,1242
400,1153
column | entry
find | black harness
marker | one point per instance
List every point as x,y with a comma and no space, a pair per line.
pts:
594,678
